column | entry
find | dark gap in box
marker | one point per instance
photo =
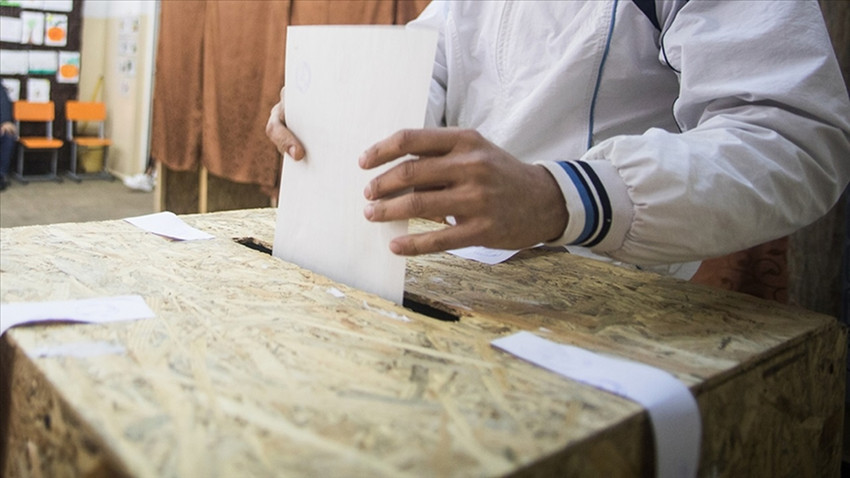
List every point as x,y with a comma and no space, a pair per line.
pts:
416,304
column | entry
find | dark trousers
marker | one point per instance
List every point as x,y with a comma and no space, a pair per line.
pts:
7,150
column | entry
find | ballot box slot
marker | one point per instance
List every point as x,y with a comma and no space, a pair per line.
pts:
255,244
416,303
432,309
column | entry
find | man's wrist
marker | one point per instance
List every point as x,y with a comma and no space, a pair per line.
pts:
552,207
572,201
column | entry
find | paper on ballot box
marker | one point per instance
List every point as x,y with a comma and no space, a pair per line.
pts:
347,87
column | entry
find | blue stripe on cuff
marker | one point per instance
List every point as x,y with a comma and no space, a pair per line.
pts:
591,212
599,189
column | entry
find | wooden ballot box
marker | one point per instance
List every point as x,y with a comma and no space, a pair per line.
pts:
255,367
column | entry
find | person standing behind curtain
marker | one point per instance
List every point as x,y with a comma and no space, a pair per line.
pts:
8,135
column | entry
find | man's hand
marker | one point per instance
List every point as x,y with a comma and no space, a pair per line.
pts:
497,200
283,139
8,129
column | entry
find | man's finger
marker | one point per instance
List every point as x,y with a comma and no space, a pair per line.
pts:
423,174
415,204
434,241
417,142
281,136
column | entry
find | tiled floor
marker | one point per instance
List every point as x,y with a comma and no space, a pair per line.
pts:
90,200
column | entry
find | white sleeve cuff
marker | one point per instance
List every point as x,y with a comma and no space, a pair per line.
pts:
622,207
575,209
597,201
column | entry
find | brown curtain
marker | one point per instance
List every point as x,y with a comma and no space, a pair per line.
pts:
407,10
243,64
761,271
335,12
177,98
219,69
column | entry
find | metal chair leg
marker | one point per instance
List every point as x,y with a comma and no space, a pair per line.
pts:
54,166
19,174
73,172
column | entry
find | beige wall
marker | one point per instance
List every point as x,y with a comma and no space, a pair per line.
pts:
127,94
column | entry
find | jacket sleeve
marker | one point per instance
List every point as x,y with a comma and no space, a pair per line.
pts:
764,147
434,18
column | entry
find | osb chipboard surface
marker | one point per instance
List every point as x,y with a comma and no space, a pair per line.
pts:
254,367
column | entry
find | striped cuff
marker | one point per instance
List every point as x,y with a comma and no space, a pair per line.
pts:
592,213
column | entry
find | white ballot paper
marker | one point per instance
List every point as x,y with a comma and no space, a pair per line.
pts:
484,254
347,87
167,224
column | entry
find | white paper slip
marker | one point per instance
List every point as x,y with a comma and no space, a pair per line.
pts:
347,87
673,411
96,310
169,225
484,254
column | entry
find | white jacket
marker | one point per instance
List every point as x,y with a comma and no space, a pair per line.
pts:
725,127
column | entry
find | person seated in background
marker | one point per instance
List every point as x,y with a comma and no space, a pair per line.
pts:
650,133
8,137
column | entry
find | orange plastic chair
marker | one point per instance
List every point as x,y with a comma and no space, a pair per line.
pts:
88,112
28,112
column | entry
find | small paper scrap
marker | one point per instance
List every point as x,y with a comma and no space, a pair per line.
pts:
169,225
484,254
97,310
673,411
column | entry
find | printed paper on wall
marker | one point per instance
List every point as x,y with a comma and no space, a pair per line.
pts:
127,67
42,62
55,29
59,5
32,4
32,32
11,29
14,62
13,87
38,90
69,67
